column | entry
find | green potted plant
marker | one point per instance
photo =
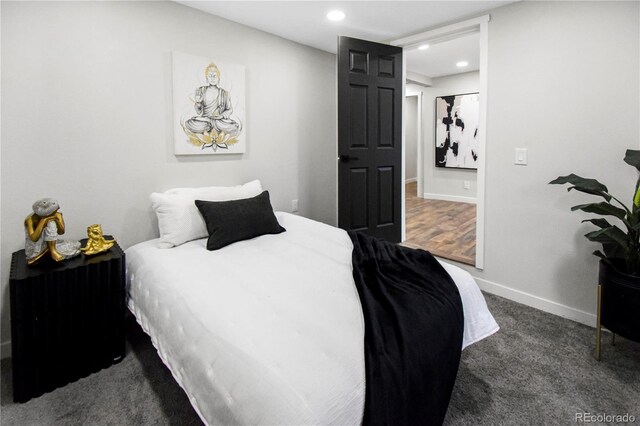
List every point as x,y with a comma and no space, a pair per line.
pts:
619,277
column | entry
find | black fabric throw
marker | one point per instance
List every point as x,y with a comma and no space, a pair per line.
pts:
413,332
231,221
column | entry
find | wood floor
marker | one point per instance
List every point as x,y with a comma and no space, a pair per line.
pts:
444,228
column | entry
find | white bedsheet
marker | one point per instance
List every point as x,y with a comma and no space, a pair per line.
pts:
270,330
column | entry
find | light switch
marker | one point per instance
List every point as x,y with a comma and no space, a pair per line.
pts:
466,184
521,156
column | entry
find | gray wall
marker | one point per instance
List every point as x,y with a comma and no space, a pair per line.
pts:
564,83
87,116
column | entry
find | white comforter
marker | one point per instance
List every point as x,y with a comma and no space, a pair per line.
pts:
270,330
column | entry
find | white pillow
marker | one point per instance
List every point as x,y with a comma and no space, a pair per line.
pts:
180,221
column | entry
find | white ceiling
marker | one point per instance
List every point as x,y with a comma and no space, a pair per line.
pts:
440,59
305,22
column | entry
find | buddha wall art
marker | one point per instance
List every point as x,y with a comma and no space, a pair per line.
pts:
208,106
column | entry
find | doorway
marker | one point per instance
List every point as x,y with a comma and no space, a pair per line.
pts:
444,211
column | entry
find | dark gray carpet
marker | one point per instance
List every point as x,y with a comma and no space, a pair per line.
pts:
537,369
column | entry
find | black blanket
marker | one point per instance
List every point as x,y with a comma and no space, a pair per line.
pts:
413,332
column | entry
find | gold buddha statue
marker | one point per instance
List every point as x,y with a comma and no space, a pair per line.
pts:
96,243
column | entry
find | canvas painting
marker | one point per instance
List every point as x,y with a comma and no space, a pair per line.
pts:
208,106
457,118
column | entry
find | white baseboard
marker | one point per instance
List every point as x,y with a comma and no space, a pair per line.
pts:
537,302
5,349
456,198
410,180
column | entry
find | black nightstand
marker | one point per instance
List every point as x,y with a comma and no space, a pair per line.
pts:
67,319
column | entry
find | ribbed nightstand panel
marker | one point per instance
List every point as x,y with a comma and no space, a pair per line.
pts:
67,320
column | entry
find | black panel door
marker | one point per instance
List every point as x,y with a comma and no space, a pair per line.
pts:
369,138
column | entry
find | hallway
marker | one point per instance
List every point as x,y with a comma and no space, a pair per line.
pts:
446,229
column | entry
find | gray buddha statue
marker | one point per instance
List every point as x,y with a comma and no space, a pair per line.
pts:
42,229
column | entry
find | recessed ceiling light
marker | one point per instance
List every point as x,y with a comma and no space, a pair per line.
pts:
335,15
462,64
423,47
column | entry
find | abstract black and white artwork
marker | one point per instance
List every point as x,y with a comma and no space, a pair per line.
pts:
208,106
457,118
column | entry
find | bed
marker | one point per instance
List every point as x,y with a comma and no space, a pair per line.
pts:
268,330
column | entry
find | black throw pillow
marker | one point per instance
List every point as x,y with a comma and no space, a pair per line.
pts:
237,220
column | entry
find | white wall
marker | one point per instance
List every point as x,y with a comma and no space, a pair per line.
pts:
87,116
564,83
439,182
411,137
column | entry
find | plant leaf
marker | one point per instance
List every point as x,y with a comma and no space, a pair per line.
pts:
601,223
632,158
603,208
606,259
610,235
599,254
613,251
586,185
